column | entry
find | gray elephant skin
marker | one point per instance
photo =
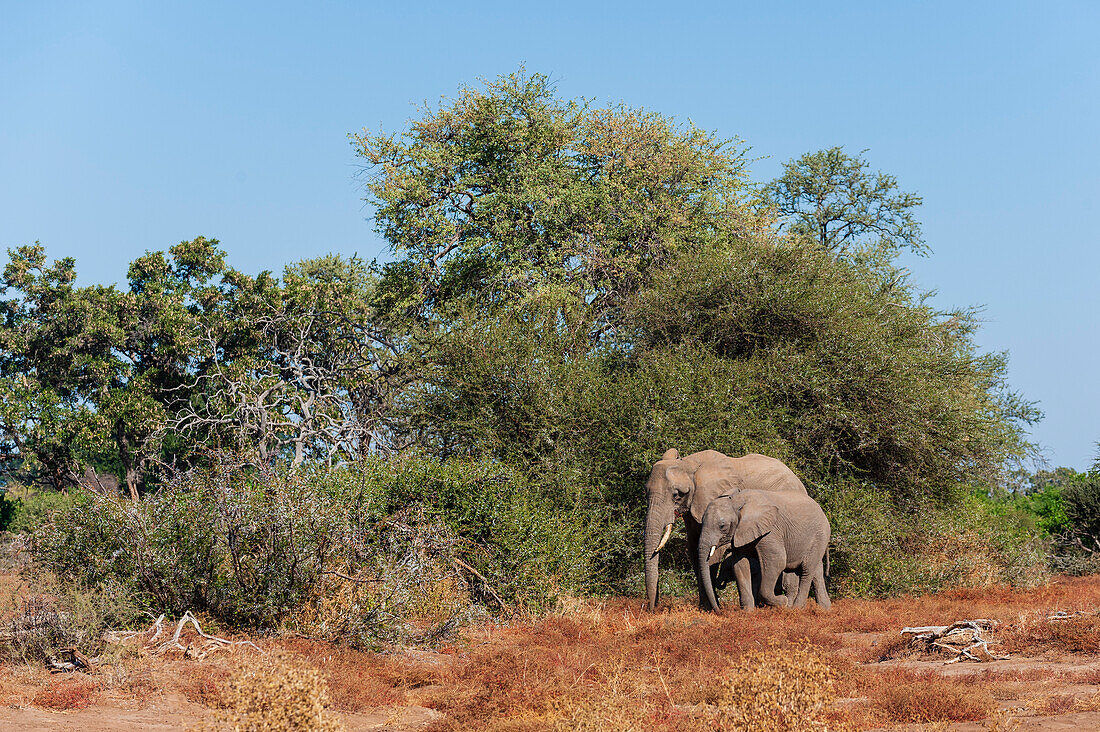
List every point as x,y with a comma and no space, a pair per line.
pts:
784,531
685,486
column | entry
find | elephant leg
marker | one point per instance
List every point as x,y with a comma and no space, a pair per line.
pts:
820,592
805,577
754,574
790,585
773,560
692,530
742,572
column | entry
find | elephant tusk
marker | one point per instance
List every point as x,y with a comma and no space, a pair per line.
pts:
664,539
711,552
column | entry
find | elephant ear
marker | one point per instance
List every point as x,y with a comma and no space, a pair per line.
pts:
671,454
713,479
756,520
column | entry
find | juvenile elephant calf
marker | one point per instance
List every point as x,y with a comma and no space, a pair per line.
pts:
785,531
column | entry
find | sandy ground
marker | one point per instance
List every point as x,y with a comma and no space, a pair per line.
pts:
173,712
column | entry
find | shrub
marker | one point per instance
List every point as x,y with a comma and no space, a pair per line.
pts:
781,688
277,698
881,548
372,552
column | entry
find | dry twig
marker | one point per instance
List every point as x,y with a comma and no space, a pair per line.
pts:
1060,615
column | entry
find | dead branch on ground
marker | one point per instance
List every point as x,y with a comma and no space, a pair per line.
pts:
209,643
962,638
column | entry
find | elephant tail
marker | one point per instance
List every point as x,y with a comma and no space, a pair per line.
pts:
827,574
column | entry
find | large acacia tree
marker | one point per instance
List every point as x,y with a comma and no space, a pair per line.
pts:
509,194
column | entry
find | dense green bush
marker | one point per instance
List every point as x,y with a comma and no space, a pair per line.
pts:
23,509
1048,506
881,549
1065,508
252,547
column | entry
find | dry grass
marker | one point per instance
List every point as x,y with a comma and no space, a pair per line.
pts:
603,665
13,592
358,681
610,660
63,694
1034,634
138,686
205,684
1053,704
928,698
777,689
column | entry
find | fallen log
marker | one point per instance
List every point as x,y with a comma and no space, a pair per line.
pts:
69,659
962,638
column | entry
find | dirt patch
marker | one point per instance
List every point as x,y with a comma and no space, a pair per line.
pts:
176,713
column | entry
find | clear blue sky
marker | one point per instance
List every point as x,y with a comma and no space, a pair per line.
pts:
131,126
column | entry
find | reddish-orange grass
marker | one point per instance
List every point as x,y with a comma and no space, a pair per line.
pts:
609,664
76,692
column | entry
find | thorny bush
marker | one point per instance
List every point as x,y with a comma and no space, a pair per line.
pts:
373,552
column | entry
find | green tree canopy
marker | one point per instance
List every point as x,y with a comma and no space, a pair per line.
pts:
521,245
833,198
510,193
574,287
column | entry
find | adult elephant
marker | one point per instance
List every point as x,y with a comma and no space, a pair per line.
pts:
685,486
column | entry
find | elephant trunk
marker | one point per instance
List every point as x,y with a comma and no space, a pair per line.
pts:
657,528
706,550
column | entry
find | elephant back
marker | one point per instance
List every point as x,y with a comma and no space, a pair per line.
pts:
717,474
763,473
